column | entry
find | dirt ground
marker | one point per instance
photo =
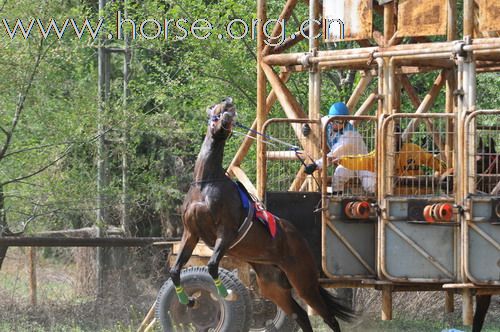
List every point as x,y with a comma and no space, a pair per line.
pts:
62,304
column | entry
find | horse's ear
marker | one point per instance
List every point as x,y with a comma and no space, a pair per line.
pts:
210,109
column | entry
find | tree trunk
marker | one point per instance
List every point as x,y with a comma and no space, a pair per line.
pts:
3,225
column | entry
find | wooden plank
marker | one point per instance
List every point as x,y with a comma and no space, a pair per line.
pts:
364,82
32,273
489,13
422,17
243,178
20,241
248,140
284,16
148,319
201,250
386,303
347,20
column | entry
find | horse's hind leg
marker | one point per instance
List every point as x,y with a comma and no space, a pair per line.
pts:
187,245
482,305
213,265
303,277
274,285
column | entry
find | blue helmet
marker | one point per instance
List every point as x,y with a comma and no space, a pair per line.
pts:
338,109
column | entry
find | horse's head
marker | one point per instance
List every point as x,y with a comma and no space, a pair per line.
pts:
221,118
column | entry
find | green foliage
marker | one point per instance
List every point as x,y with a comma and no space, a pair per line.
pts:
48,173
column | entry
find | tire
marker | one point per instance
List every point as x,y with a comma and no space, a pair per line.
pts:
210,312
268,317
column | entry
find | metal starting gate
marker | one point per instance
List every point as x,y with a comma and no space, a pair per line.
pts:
414,225
482,206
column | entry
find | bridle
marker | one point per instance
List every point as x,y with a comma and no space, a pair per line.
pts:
214,118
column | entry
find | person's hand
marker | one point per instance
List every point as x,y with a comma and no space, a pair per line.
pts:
311,168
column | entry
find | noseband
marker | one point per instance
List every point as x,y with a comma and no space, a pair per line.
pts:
214,118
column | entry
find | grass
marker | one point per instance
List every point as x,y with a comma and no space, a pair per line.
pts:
365,326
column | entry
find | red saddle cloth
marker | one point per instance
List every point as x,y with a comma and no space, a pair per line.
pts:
267,218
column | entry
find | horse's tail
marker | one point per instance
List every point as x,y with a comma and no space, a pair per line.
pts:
335,306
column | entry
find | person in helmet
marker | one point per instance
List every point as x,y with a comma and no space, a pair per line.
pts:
410,159
343,140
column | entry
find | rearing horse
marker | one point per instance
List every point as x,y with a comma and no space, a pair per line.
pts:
212,211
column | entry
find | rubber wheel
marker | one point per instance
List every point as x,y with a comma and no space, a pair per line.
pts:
210,312
268,317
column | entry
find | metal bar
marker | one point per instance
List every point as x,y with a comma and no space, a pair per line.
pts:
314,100
469,168
17,241
468,18
412,51
261,96
282,155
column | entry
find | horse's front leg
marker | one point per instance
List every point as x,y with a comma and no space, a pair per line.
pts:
187,245
213,265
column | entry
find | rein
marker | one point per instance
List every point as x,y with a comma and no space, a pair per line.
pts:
292,147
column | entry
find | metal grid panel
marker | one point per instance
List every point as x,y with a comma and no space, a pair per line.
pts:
484,155
419,155
283,161
482,229
353,170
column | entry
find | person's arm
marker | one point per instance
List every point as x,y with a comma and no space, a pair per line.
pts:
361,162
345,145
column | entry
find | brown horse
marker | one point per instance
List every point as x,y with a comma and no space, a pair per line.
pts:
213,212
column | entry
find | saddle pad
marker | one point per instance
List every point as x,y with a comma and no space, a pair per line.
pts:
244,196
265,217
